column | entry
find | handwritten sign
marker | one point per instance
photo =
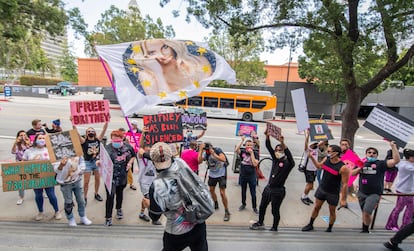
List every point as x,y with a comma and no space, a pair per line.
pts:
194,121
63,144
106,168
27,175
273,130
245,129
131,140
166,127
318,130
89,112
390,125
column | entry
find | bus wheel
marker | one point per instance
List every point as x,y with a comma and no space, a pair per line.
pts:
247,116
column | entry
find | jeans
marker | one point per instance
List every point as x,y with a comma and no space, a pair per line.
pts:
252,181
117,191
67,191
275,196
50,191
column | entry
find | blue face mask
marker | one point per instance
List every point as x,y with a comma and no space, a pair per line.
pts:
117,144
41,142
371,159
189,134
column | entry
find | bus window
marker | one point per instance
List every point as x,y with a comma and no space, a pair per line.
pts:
226,103
210,102
258,104
181,102
240,103
195,101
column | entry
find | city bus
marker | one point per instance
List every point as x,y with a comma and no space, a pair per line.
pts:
242,104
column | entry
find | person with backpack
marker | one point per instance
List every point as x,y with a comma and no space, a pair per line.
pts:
173,194
217,165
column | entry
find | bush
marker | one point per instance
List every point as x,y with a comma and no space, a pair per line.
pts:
33,80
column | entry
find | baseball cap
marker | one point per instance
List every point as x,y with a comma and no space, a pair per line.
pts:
161,155
134,122
56,122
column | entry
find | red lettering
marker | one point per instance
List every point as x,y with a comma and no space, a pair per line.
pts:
101,105
79,105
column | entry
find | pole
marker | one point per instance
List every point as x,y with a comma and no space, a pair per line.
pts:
287,84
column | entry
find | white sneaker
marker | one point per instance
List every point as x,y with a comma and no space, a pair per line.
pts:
39,216
85,221
72,222
19,201
58,215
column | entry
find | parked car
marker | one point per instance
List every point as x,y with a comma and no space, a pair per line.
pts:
98,90
69,90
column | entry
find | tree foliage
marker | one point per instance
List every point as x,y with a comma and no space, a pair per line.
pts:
68,67
358,40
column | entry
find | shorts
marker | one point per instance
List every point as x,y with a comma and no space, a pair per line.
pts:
144,188
212,182
331,198
368,202
90,165
310,176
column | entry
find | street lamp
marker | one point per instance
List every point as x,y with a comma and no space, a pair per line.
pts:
287,83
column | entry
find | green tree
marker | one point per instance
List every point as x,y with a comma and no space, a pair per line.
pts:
68,66
357,33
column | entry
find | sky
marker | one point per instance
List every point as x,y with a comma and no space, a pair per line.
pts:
91,11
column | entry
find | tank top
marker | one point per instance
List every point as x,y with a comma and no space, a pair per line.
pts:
331,179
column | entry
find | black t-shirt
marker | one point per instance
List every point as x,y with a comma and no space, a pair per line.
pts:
120,158
90,149
331,179
371,177
246,167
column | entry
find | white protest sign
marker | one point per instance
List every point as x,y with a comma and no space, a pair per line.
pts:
301,109
106,168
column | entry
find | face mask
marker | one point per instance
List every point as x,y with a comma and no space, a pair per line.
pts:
40,142
189,134
90,135
117,144
279,155
371,159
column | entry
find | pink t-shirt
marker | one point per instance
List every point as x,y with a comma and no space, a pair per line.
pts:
191,158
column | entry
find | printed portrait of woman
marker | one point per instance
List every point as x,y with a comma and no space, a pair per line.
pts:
159,66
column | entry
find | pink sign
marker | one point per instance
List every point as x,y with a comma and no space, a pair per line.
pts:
245,128
89,112
131,140
351,160
106,169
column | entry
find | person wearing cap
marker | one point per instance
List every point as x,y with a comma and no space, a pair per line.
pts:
310,169
188,137
179,233
122,157
322,147
135,128
55,127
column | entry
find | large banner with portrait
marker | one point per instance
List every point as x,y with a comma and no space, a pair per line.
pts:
157,71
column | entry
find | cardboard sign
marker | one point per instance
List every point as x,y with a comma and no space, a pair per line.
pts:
27,175
166,127
273,130
194,121
106,168
318,130
390,125
301,109
245,129
89,112
63,144
131,140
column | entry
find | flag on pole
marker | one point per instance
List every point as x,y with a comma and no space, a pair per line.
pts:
157,71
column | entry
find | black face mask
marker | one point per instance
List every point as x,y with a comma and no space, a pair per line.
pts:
91,135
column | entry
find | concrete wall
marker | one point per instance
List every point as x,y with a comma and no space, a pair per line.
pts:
29,91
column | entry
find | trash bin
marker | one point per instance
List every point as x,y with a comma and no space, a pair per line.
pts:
64,92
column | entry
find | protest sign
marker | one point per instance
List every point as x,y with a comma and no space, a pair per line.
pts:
194,121
131,140
106,168
245,129
165,127
390,125
273,130
351,160
301,109
89,112
63,144
318,130
27,175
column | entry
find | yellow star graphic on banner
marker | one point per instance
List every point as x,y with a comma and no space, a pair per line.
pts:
131,61
146,83
162,94
196,84
189,42
182,94
136,49
201,50
135,69
206,68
